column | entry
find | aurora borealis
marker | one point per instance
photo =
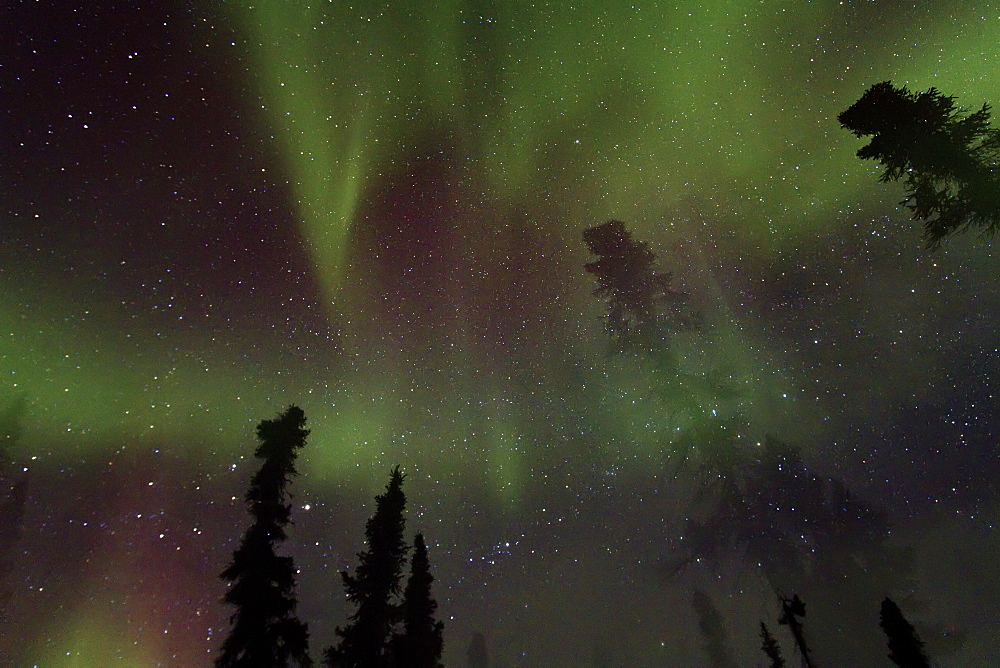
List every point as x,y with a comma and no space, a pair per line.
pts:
374,211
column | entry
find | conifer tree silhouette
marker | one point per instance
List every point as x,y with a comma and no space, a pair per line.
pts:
948,159
905,647
422,640
791,610
265,630
636,293
771,647
374,587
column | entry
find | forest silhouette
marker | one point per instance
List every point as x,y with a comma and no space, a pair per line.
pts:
803,532
395,627
764,502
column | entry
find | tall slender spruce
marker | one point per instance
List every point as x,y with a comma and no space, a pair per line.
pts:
905,647
771,647
265,630
422,640
791,610
375,585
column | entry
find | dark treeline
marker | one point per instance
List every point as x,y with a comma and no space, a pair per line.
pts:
905,647
757,499
948,160
391,627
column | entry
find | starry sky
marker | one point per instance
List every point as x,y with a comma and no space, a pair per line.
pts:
210,211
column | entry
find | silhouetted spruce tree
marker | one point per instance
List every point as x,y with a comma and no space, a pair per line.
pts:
422,640
636,294
476,653
771,647
947,158
905,647
365,641
265,630
791,610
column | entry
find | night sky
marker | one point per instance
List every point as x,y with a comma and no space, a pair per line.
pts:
210,211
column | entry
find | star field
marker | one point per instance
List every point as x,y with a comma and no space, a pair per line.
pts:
374,211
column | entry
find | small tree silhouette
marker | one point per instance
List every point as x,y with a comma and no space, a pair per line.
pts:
364,642
422,640
265,630
791,610
947,158
905,647
771,647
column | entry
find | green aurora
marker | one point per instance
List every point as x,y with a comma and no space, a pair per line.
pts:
411,183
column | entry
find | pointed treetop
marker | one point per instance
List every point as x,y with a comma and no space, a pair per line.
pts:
265,630
905,647
771,647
